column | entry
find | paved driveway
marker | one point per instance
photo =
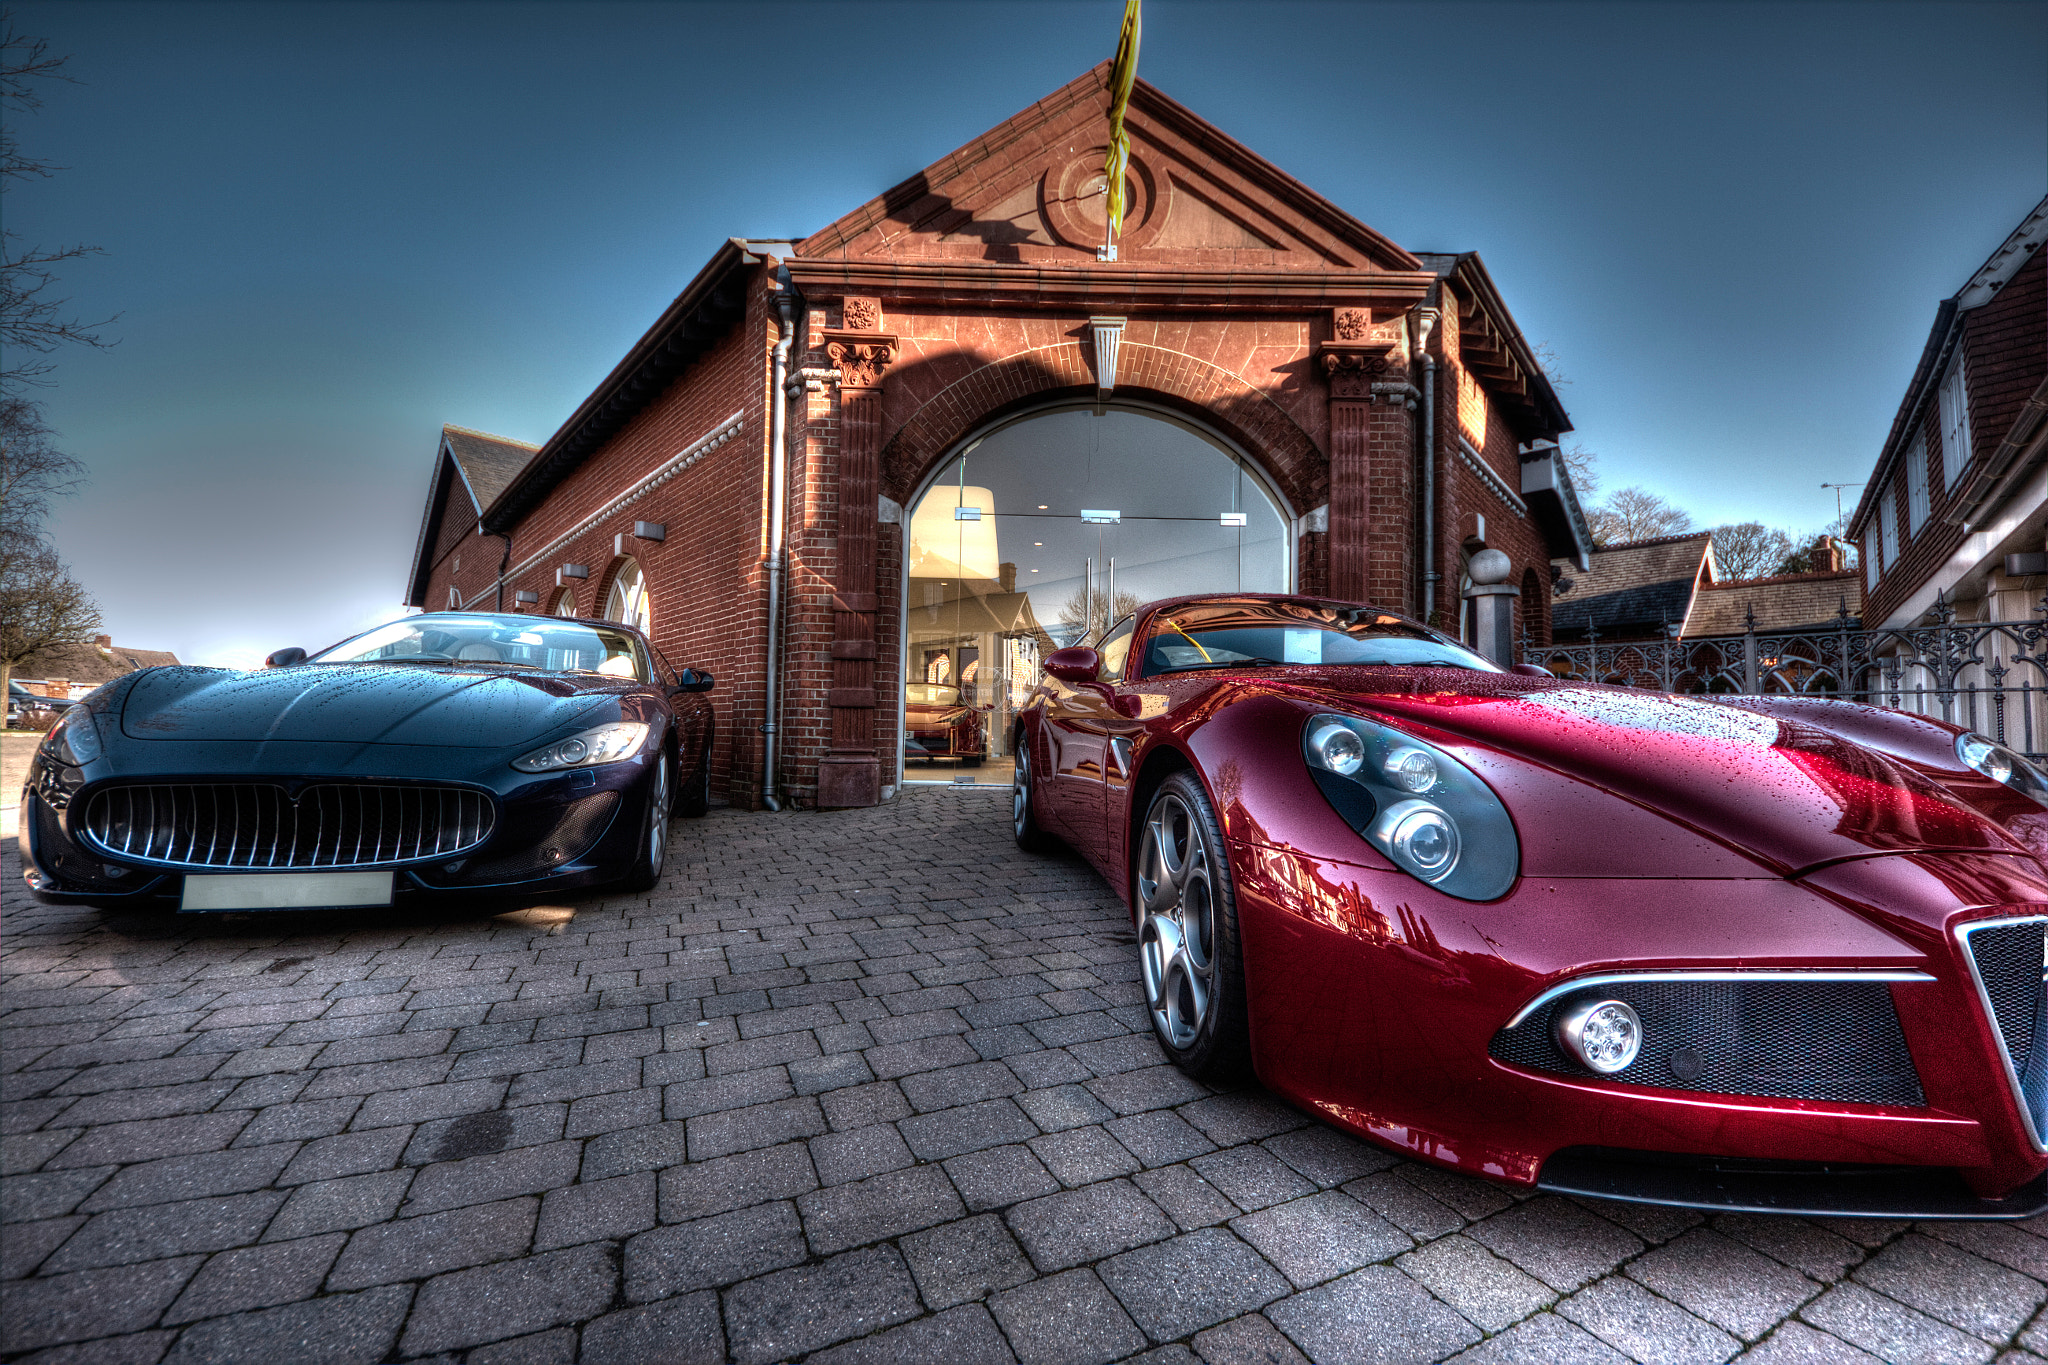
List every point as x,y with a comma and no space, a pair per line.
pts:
860,1087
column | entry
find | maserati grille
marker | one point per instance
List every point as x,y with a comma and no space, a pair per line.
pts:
259,824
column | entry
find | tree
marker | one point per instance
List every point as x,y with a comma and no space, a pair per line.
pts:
1750,549
1580,462
41,604
33,323
1635,513
1086,608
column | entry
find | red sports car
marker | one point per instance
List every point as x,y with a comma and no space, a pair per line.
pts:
1766,953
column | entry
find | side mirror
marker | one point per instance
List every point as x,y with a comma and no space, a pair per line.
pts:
285,658
1077,665
1532,671
690,680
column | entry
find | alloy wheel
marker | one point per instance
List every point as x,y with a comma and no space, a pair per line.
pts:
1177,927
657,834
1020,794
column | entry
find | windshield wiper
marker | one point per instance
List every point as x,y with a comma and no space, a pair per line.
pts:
1221,663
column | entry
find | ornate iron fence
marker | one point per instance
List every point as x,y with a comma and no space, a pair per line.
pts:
1990,676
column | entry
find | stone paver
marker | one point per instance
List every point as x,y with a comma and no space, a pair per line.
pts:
862,1087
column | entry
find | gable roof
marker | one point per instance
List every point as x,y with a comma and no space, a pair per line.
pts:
1636,588
91,661
1022,191
2018,248
481,466
1798,601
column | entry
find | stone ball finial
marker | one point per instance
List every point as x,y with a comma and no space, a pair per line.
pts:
1491,566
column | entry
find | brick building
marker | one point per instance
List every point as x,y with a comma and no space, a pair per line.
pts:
1671,588
1957,504
951,431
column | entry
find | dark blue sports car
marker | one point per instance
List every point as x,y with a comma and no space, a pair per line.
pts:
454,751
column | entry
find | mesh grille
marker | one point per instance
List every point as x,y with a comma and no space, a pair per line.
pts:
580,826
59,855
1813,1040
258,824
2010,963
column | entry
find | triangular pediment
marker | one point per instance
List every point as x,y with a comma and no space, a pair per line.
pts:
1029,191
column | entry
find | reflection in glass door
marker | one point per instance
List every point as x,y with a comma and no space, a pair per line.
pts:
1040,535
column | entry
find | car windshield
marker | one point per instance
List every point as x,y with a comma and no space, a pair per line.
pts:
1254,634
538,642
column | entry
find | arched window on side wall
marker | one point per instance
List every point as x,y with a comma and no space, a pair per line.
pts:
627,602
564,604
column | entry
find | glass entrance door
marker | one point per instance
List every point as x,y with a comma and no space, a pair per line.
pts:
1040,535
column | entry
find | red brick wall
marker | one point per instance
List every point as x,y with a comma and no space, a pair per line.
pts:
2005,355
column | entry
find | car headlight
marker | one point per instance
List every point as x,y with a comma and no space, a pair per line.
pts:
605,744
1429,813
73,739
2001,764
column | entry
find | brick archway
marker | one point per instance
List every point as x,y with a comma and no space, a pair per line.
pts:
1207,392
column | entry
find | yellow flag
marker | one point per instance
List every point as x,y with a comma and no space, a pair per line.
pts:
1123,74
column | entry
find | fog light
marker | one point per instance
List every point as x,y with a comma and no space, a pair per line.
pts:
1604,1035
1339,749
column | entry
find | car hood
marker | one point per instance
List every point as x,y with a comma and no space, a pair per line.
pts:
360,704
1792,793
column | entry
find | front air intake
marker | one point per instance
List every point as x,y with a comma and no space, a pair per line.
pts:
267,825
1769,1036
2009,960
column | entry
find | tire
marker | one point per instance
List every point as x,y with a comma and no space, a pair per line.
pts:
1023,820
693,801
1190,955
652,856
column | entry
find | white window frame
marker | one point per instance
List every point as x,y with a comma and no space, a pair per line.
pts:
1871,540
564,604
1888,527
1955,422
627,600
1916,484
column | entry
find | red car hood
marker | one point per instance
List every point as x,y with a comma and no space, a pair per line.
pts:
1791,793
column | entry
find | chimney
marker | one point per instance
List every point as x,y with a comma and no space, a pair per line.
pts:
103,641
1829,560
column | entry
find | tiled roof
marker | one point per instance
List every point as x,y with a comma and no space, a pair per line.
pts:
87,662
1799,601
488,462
1643,585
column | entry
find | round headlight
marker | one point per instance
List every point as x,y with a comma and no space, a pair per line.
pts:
572,750
1421,838
1603,1035
1986,756
1411,769
1338,748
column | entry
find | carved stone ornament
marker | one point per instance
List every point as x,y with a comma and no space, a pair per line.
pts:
860,356
1353,324
862,315
1351,366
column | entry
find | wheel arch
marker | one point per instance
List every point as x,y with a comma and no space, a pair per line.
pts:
1161,762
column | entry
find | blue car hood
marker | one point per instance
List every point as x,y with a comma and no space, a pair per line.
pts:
358,704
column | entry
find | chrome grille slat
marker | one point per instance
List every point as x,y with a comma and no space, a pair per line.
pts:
259,825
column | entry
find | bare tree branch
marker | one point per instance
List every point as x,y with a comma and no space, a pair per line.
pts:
1636,514
1750,549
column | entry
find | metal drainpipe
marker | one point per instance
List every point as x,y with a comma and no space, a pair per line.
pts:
503,560
778,482
1425,323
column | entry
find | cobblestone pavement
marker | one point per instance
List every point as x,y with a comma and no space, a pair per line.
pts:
871,1086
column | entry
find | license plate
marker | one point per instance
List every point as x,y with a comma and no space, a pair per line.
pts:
287,891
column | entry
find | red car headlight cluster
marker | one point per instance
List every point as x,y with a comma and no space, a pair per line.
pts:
1415,803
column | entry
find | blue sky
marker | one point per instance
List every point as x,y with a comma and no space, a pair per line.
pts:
330,228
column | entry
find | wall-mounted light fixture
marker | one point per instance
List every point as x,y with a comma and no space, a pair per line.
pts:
525,598
571,571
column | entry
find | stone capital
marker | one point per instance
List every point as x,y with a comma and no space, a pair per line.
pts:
1352,366
860,357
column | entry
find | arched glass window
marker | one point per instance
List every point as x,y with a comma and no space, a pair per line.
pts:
627,602
454,599
1047,530
565,604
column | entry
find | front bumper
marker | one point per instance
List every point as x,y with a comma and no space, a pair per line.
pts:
1377,1003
